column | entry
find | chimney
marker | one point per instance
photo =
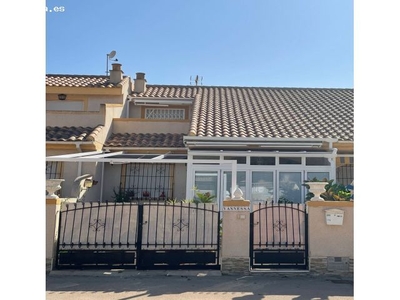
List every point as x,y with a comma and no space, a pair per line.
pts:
140,83
116,74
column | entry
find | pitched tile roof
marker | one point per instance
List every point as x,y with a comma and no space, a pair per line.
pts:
72,134
148,140
170,91
61,80
223,111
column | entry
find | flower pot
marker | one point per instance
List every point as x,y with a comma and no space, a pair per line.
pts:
53,185
317,188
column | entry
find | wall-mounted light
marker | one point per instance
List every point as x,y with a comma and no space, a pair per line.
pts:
62,96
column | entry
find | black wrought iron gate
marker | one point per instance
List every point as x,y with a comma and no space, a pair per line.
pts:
142,236
278,236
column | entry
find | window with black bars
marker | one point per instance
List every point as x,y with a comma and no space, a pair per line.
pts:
345,174
148,181
53,170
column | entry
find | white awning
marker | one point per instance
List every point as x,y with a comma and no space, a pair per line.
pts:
119,157
196,142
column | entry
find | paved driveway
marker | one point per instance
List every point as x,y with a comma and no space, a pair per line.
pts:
135,285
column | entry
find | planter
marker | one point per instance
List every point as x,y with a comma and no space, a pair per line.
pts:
317,188
53,185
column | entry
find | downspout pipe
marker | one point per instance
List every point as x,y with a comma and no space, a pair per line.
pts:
78,148
101,182
128,101
333,162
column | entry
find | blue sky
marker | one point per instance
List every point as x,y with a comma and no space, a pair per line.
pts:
292,43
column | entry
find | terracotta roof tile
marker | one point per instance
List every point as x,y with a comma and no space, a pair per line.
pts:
223,111
169,91
72,134
61,80
147,140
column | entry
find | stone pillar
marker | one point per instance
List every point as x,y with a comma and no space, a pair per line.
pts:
235,237
53,207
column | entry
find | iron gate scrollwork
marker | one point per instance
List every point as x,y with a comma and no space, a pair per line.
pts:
278,236
142,236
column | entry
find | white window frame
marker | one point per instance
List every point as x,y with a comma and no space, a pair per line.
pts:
276,169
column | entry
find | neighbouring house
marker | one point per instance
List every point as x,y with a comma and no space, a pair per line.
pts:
80,110
159,142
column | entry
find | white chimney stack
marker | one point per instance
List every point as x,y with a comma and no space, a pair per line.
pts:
116,74
140,83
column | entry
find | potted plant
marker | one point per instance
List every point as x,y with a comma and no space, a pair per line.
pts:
326,190
203,197
146,194
123,195
336,192
316,188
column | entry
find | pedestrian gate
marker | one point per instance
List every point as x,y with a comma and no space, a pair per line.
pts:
142,236
278,236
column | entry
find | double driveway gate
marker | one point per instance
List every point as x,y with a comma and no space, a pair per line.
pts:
278,236
142,236
175,236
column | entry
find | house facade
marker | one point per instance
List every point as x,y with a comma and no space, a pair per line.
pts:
159,142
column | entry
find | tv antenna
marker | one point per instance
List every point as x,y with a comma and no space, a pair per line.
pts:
196,80
109,57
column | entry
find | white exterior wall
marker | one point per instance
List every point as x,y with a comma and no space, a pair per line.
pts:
144,126
70,118
65,105
180,181
94,102
71,171
111,180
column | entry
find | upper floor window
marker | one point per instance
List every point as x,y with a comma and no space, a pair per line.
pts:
206,157
53,169
256,160
317,161
239,159
290,160
165,113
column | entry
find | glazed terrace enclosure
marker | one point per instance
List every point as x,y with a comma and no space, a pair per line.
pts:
143,236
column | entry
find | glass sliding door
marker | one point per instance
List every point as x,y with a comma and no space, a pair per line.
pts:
262,186
206,182
290,186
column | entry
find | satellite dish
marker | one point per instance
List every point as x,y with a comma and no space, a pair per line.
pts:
109,57
112,54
